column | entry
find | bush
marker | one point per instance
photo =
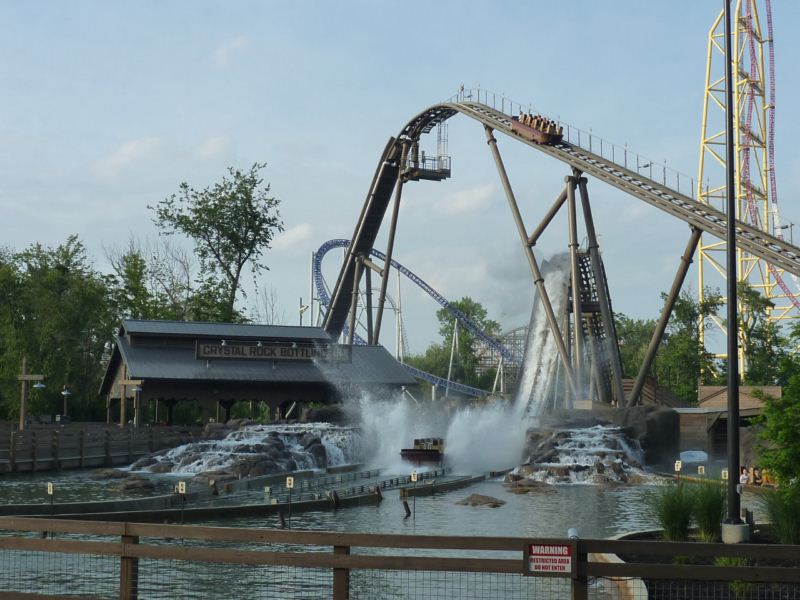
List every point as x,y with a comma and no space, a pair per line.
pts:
708,509
783,509
740,589
672,508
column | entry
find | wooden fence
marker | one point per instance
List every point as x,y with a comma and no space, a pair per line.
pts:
81,445
132,560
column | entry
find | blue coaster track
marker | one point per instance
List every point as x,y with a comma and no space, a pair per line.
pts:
466,322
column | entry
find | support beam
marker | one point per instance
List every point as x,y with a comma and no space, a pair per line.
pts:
661,326
354,300
389,247
537,233
605,303
538,280
368,286
575,279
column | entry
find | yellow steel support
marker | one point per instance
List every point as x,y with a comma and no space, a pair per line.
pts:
754,204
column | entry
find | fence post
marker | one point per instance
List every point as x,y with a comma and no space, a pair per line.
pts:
341,577
130,445
54,448
12,452
33,451
579,581
82,448
107,447
128,571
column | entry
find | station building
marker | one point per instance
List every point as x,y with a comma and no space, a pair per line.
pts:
156,365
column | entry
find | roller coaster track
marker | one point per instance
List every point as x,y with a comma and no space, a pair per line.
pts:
324,297
667,198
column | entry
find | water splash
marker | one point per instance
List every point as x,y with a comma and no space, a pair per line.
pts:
599,454
537,376
342,446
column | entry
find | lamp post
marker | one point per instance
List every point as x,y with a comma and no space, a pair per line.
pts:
66,393
24,377
137,405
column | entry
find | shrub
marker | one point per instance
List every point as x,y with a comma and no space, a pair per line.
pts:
708,504
783,509
740,589
672,508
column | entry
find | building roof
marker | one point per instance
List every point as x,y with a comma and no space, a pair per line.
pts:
716,396
197,329
148,360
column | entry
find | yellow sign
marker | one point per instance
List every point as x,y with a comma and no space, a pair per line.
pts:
678,465
49,488
289,483
701,470
414,476
181,487
725,474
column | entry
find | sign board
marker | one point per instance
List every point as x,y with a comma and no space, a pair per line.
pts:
267,490
701,470
725,474
414,476
49,488
548,558
274,351
678,465
289,483
181,487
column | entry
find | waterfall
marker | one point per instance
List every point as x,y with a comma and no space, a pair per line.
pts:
537,375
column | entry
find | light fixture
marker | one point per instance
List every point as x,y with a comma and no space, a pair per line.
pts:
137,389
258,344
65,392
223,343
294,344
39,385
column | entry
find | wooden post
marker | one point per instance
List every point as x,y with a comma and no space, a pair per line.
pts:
24,377
82,448
151,442
130,445
341,577
33,452
128,571
107,447
580,582
12,452
54,452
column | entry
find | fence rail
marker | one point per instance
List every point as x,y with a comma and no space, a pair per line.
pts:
77,446
135,560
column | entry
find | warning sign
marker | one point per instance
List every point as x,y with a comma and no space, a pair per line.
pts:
549,558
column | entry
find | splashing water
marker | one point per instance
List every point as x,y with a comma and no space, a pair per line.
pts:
342,446
599,454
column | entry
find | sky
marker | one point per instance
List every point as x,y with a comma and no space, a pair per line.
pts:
106,107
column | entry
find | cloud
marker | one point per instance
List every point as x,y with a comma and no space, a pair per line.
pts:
292,236
213,147
228,50
125,155
465,201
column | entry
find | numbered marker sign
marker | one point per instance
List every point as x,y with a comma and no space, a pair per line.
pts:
289,483
49,488
725,474
678,465
701,470
414,476
267,490
181,487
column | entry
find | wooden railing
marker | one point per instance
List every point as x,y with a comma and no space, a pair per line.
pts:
81,445
325,562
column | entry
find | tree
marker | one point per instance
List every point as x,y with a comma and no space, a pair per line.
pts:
763,344
231,222
56,310
634,336
436,359
780,450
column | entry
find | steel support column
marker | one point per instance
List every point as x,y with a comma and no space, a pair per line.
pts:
354,300
577,310
389,248
368,286
538,280
661,326
534,237
602,296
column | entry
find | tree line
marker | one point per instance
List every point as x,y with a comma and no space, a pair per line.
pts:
58,310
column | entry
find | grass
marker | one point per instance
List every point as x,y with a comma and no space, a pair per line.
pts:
672,508
783,508
708,509
740,589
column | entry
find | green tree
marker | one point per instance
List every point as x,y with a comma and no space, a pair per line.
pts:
764,346
436,358
57,312
780,433
232,223
634,336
